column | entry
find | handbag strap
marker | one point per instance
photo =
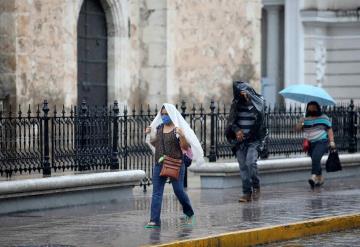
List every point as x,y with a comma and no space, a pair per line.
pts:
162,139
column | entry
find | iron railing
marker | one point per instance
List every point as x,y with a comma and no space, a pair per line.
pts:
101,138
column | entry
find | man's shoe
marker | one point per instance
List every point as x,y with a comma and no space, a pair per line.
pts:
319,180
245,198
256,193
256,190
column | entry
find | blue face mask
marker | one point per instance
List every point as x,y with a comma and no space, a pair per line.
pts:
166,119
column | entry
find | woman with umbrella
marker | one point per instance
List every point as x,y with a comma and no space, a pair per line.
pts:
317,126
317,130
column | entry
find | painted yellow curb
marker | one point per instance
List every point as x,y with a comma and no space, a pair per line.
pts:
271,234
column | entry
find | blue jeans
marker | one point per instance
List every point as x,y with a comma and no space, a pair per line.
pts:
158,190
247,155
316,152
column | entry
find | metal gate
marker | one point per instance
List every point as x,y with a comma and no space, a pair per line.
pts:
92,54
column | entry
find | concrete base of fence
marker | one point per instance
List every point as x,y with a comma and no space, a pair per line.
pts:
227,175
52,192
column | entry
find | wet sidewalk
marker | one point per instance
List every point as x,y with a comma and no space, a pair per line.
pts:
349,238
217,211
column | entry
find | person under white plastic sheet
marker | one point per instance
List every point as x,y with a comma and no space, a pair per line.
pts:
179,122
169,134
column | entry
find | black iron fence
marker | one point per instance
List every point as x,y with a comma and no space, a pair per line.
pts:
105,138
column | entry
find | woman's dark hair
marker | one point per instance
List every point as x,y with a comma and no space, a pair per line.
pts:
318,112
162,108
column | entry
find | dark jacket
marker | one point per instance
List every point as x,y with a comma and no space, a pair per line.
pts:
258,133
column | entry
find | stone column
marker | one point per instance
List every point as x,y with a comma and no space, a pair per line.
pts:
294,43
153,40
172,85
8,32
272,49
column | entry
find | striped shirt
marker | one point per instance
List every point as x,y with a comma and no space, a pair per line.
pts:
315,129
246,118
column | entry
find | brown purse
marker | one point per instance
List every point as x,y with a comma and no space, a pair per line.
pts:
171,166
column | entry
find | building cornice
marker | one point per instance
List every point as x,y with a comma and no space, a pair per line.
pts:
273,2
330,16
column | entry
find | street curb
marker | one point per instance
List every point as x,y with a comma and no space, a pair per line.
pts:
266,235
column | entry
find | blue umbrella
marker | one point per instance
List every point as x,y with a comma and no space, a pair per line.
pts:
305,93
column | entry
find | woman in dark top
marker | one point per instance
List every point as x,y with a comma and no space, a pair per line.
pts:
171,141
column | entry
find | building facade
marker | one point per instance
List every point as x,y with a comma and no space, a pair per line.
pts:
314,42
133,51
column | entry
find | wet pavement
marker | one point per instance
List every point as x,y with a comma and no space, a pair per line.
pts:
120,223
349,238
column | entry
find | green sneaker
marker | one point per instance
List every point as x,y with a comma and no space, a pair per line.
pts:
151,225
189,221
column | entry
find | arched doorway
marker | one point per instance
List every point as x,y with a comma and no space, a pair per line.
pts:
92,54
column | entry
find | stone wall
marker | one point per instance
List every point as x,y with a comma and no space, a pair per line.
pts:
332,47
44,50
37,51
331,58
153,40
46,61
211,43
7,53
193,50
159,50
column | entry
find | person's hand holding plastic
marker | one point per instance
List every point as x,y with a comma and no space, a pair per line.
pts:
147,130
179,131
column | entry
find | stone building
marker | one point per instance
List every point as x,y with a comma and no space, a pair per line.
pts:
134,51
314,42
